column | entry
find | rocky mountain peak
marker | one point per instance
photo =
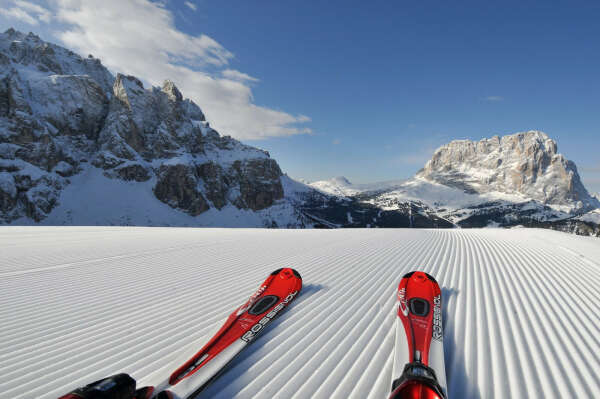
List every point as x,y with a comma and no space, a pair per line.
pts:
172,91
525,163
63,116
47,58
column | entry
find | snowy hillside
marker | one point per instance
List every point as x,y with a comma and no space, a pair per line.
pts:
342,187
521,308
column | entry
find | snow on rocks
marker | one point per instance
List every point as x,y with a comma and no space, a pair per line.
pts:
524,163
62,114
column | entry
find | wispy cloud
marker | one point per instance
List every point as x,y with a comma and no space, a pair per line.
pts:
237,75
493,99
140,38
191,5
27,12
303,118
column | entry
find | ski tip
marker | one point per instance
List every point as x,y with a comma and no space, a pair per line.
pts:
288,271
296,274
408,275
429,276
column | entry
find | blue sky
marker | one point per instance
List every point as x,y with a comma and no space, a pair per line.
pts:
367,90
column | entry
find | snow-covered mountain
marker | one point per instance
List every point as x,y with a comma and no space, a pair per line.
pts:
525,164
81,146
518,179
336,186
342,187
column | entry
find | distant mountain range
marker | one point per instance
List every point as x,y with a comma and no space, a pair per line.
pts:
514,180
79,146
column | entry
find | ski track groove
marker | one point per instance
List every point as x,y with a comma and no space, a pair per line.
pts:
510,336
521,308
565,347
522,328
540,343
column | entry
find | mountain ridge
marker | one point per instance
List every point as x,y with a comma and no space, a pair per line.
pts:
79,146
63,116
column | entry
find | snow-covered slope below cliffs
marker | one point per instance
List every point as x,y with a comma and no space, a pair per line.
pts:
342,187
521,309
93,199
591,216
67,124
525,164
456,205
339,186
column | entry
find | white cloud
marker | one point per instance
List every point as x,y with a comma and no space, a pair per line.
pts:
40,12
303,118
237,75
493,99
26,12
139,37
191,5
19,14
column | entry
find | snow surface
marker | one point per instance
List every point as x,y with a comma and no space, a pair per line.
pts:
521,308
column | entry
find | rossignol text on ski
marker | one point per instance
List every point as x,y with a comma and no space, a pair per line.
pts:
240,328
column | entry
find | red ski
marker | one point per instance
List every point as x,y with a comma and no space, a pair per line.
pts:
242,326
419,340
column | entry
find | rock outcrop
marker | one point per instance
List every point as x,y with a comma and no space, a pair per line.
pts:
61,114
524,163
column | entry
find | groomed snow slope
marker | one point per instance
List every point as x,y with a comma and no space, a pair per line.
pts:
521,308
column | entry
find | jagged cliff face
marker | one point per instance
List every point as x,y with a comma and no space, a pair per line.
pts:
61,114
524,163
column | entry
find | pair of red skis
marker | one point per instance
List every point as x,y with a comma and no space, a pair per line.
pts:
419,343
